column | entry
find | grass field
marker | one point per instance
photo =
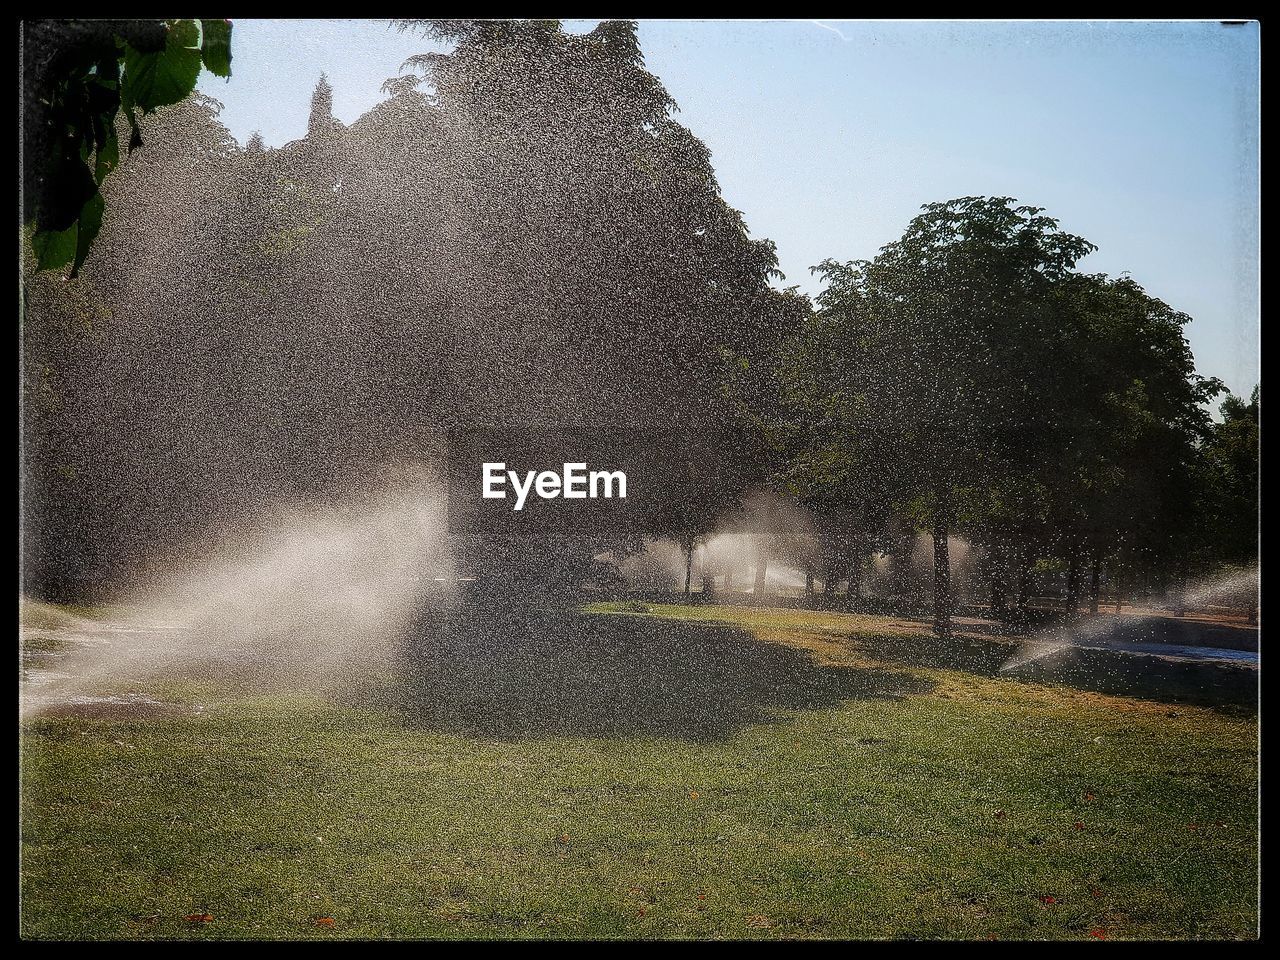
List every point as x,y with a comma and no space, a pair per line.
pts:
648,772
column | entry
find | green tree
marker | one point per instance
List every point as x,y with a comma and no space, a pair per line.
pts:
931,354
141,347
1231,488
1232,450
452,258
1122,487
580,213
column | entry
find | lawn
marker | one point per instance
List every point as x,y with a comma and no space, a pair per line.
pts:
642,771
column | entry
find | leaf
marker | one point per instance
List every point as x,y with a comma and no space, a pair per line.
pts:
65,187
135,134
182,33
127,104
215,46
87,229
147,35
107,156
161,64
200,918
54,248
323,922
161,78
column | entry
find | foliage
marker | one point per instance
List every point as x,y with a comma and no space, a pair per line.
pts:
528,196
455,257
1131,415
1231,454
77,76
969,379
919,387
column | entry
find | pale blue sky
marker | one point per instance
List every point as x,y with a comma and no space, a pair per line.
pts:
1143,138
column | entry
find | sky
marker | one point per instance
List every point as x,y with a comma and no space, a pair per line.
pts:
830,135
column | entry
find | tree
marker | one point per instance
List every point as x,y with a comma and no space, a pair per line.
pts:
1123,484
1231,493
931,352
761,402
585,215
129,354
1232,450
455,257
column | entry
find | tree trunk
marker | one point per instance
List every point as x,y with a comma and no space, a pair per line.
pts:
688,572
762,567
808,580
1095,584
1024,579
1253,612
941,581
1073,580
728,577
854,590
900,555
999,586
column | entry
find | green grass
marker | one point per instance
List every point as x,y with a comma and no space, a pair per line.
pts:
863,798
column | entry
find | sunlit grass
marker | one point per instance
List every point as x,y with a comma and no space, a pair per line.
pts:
977,807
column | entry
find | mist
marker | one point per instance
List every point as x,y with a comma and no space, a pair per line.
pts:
305,602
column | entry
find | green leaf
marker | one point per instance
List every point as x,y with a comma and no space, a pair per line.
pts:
183,33
107,155
135,134
90,224
68,185
161,64
126,102
57,248
215,46
159,79
54,248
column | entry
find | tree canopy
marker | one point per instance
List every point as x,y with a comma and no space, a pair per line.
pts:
455,257
523,235
971,380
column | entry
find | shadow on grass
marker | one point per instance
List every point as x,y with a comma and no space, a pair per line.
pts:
1186,631
539,674
1227,688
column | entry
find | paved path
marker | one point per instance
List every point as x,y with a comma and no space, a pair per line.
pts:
1173,650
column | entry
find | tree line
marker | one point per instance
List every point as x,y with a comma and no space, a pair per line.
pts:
522,233
970,380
